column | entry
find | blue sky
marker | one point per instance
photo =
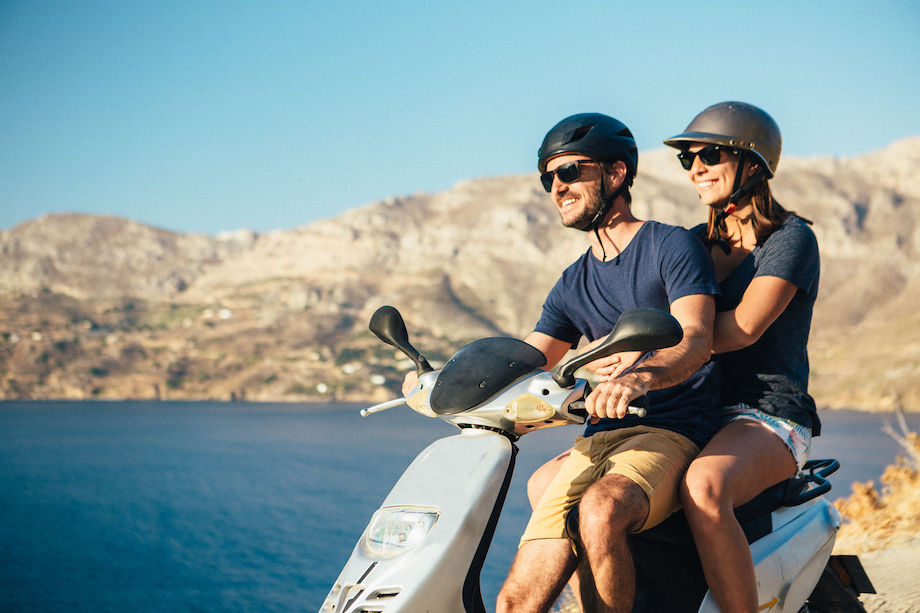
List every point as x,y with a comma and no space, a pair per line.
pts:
209,116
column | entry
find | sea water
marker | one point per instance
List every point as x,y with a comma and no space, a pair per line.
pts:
178,506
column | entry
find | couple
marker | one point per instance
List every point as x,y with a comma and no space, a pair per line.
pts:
718,431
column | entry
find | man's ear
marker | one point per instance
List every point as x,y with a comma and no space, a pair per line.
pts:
617,171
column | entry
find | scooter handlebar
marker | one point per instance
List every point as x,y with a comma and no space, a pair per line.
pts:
383,406
578,406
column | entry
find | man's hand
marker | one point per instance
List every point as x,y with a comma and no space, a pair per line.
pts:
611,398
410,381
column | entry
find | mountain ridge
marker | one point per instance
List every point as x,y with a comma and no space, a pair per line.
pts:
474,260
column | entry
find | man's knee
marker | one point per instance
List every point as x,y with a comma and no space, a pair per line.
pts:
615,504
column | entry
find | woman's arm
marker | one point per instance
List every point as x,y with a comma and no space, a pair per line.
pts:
763,301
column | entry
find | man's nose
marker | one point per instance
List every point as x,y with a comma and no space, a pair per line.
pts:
558,186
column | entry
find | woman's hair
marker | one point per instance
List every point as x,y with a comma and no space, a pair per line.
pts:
768,215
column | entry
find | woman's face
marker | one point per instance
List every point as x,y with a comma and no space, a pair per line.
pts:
713,182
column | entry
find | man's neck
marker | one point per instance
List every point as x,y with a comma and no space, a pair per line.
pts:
615,232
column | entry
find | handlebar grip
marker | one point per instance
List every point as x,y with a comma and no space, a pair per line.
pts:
578,408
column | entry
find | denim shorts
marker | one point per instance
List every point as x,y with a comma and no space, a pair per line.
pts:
796,436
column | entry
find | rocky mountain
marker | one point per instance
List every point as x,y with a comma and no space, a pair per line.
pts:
106,307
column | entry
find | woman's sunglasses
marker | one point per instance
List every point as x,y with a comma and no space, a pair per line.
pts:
710,156
567,173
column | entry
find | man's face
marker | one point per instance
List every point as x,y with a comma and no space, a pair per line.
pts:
579,201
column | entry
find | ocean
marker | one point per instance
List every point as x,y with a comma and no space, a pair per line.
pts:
204,506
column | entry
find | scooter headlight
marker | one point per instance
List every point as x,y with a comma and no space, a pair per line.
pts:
528,407
395,530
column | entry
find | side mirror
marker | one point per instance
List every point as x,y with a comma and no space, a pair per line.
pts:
388,325
635,330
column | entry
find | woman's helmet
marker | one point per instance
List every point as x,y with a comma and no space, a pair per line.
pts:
738,125
600,137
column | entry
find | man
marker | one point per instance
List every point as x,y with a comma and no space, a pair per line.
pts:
624,473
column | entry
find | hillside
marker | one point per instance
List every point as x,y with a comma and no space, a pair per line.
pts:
102,307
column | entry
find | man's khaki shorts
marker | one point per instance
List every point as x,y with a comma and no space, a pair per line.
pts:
653,458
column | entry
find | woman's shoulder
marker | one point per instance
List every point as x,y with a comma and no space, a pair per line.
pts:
793,230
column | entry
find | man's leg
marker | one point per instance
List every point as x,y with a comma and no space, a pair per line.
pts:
538,574
610,509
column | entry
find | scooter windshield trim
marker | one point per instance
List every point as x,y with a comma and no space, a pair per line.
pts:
480,370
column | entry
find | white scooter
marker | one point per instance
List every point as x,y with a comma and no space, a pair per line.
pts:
424,548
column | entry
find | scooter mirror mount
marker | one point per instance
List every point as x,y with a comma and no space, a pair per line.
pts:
635,330
388,325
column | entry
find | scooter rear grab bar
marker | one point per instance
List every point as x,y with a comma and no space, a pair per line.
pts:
818,471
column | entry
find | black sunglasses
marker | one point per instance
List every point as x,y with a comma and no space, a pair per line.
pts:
567,173
710,156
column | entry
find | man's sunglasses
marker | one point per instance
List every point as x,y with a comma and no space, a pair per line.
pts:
710,156
567,173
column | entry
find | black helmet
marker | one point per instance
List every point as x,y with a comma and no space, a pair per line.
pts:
595,135
735,124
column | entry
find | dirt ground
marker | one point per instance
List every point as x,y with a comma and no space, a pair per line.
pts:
882,526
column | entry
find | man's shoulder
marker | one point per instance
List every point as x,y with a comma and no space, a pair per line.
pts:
663,231
671,239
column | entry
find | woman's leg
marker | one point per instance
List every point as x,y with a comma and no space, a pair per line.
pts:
740,461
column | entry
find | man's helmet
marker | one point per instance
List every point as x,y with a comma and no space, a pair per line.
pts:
735,124
600,137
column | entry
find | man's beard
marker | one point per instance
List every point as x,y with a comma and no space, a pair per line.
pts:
585,221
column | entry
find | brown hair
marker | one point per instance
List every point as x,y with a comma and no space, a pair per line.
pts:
767,216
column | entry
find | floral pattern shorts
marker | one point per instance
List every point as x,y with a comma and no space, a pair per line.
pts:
796,436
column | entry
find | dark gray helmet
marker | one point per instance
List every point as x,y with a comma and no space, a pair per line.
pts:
598,136
735,124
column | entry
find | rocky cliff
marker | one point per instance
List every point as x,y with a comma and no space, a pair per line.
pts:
106,307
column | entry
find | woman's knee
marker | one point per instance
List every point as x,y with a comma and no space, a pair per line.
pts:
703,490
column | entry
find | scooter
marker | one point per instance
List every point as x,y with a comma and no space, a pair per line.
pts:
424,548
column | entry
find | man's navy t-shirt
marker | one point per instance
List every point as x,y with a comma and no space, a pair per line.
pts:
661,264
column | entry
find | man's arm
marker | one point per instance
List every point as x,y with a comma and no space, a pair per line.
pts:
552,348
667,367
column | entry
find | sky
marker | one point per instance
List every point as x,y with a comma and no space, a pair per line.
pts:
212,116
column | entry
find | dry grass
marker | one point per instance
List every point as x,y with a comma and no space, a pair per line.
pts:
876,518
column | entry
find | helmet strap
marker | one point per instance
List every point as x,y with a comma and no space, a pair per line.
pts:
606,204
739,192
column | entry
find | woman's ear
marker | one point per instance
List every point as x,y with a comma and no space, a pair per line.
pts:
752,168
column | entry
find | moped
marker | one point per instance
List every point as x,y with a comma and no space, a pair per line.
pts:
424,548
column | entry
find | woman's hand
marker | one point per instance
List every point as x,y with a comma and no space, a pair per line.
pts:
613,366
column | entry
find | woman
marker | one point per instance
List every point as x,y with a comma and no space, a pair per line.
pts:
766,261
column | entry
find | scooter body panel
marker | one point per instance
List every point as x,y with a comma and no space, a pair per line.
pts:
789,560
464,479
